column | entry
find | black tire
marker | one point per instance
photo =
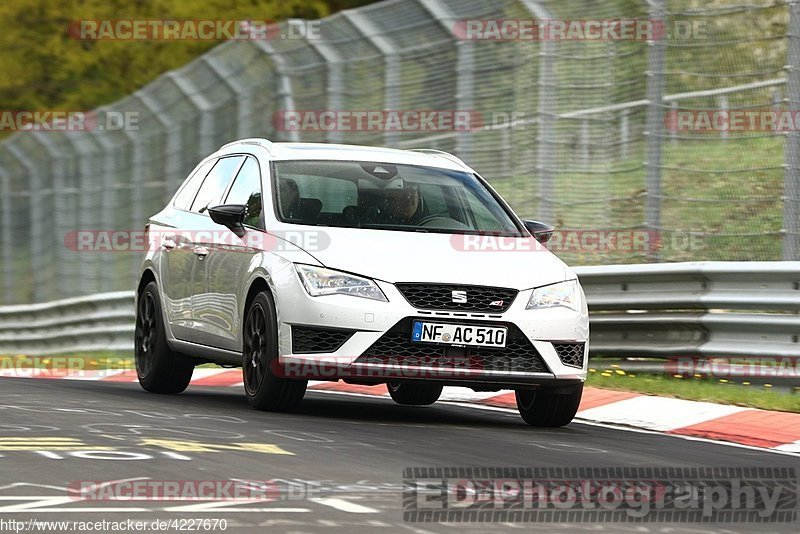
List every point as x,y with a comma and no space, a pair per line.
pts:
414,394
159,368
549,407
266,390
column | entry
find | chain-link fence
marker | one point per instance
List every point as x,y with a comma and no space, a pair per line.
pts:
588,134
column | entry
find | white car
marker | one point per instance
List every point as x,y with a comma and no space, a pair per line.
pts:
370,265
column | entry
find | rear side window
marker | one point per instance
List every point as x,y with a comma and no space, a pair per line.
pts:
214,185
246,189
183,200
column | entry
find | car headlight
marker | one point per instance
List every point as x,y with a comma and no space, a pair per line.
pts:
320,281
560,295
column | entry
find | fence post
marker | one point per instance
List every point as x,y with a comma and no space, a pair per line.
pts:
285,85
86,217
465,67
391,81
172,146
624,133
333,74
5,234
203,106
673,133
57,218
655,122
36,217
108,151
547,114
791,177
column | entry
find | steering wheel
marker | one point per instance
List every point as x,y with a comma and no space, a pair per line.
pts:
432,217
444,223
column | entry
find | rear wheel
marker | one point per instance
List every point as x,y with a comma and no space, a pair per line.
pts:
264,389
549,406
159,368
413,394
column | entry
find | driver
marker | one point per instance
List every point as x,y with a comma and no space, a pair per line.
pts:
403,205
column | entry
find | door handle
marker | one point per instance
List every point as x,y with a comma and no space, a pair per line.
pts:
200,252
168,244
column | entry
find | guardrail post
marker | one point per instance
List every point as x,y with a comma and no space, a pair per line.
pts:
791,176
655,121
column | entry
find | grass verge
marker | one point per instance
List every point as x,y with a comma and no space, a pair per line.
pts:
698,389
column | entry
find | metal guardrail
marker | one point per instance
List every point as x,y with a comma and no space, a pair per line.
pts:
103,321
713,309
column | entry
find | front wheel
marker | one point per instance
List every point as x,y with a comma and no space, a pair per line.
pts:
412,394
159,368
549,407
264,389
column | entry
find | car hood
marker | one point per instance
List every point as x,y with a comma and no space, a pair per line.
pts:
396,256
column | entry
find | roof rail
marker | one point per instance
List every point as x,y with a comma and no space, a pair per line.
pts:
442,153
266,143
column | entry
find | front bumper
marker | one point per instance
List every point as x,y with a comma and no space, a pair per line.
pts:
366,323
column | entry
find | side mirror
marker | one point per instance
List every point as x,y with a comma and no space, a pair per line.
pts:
231,216
542,232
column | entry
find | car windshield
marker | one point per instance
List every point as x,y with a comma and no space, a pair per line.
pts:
360,194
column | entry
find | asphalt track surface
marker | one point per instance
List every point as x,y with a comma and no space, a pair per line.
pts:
56,432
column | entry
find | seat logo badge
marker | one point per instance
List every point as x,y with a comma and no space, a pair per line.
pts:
459,297
497,303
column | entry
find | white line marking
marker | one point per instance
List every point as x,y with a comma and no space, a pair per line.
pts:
344,506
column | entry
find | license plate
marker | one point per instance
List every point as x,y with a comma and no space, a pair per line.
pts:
459,334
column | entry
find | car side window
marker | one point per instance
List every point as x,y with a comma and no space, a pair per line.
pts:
183,200
246,189
215,183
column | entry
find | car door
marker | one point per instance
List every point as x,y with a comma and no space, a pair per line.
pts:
196,239
175,259
228,261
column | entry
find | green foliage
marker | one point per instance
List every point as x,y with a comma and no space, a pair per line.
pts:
44,68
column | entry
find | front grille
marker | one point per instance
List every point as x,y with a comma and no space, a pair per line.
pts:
570,353
440,297
308,339
396,348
